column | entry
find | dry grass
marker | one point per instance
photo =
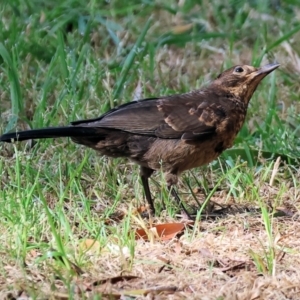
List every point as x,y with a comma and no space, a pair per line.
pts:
216,264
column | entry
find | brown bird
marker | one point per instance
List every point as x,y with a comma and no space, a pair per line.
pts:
173,133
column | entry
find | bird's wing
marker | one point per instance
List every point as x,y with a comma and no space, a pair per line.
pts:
188,116
195,115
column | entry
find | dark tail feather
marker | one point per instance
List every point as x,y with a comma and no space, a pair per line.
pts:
46,133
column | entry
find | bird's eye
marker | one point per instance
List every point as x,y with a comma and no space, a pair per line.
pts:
239,70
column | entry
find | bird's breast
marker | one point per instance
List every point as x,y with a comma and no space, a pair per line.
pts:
177,156
228,129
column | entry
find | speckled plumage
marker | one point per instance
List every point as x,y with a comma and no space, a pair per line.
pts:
173,133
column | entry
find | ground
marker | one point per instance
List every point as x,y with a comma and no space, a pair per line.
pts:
68,217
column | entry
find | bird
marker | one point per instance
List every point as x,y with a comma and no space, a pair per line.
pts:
171,133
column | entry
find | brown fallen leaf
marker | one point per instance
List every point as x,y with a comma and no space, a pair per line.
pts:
162,232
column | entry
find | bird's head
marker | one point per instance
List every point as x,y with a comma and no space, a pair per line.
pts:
241,81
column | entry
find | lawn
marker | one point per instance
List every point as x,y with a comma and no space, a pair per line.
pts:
68,216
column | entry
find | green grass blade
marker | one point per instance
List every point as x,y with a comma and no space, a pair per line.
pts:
129,60
17,105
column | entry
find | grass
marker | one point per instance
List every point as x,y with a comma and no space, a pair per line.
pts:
75,59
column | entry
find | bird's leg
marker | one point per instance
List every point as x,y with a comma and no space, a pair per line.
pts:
171,180
178,200
145,173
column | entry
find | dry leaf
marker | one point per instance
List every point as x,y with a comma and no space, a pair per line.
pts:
163,232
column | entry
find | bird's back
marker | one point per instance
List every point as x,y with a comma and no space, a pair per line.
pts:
173,133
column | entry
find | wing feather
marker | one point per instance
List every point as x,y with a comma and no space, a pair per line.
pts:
188,116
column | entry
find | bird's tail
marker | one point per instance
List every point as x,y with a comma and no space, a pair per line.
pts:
51,132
